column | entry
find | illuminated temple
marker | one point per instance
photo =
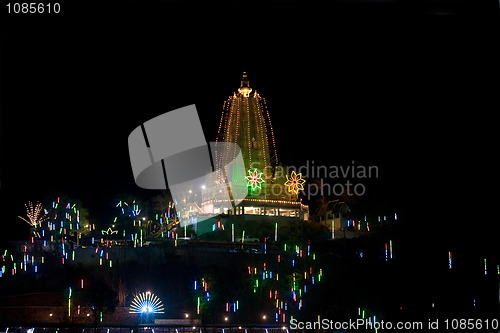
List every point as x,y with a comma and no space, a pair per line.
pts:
271,193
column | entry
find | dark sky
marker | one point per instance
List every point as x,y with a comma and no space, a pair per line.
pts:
411,89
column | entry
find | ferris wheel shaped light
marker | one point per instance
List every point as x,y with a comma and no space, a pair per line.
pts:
146,303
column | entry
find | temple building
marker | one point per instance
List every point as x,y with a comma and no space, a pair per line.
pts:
245,121
271,193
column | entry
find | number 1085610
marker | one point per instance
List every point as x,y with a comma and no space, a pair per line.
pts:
33,8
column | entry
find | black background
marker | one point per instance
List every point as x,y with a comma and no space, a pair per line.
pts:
410,87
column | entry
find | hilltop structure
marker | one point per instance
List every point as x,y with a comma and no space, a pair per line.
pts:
272,194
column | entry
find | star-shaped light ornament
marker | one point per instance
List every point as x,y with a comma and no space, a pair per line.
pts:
295,182
254,179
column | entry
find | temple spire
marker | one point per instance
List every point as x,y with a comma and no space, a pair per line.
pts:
245,89
244,80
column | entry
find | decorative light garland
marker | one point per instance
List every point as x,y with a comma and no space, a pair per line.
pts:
294,182
254,179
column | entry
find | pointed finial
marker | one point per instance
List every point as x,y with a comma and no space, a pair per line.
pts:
245,89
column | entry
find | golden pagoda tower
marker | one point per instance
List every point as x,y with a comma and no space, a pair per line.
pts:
245,121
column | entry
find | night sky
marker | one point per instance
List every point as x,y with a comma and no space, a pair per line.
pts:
412,89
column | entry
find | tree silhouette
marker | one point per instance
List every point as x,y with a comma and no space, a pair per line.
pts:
101,298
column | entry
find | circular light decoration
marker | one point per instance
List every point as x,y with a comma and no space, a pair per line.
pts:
254,179
295,182
146,303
